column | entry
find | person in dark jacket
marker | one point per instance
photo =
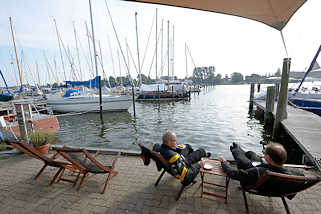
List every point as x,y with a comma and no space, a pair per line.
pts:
248,174
185,162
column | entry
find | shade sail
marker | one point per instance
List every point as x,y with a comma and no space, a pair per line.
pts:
275,13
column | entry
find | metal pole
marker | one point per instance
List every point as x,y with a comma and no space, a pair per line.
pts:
96,67
156,47
15,50
61,57
139,68
168,50
133,94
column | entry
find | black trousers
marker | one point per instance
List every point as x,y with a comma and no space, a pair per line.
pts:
244,159
195,156
191,161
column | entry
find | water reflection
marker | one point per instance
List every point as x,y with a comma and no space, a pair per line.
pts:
213,120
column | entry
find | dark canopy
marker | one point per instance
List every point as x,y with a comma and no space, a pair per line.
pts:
275,13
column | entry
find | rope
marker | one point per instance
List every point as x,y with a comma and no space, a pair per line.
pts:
286,50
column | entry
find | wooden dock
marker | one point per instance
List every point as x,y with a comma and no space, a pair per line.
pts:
304,128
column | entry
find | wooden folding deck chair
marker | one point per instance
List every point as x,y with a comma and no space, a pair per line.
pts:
165,165
52,161
284,186
86,163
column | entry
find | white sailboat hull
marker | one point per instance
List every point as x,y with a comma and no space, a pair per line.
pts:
88,103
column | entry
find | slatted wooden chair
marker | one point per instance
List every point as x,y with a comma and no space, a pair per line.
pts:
52,161
164,165
86,163
272,184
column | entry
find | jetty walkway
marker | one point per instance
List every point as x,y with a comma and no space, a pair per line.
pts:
132,191
304,128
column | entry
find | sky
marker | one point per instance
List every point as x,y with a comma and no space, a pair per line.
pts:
229,43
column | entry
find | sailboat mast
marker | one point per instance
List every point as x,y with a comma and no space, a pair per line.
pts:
96,68
93,38
77,49
139,68
185,61
15,50
121,81
173,56
162,44
156,46
61,57
37,70
168,50
91,68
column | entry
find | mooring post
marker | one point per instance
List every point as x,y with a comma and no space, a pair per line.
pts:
258,87
281,112
251,96
133,95
269,108
277,90
158,95
172,91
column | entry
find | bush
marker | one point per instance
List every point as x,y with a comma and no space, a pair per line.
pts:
40,138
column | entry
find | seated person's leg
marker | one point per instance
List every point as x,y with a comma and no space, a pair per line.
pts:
242,161
191,174
195,156
253,156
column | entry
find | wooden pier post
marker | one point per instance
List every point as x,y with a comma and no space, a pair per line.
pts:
172,91
251,96
133,95
277,90
270,96
281,112
258,87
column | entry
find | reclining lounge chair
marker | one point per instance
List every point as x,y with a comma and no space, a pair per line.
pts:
52,161
86,163
161,163
283,186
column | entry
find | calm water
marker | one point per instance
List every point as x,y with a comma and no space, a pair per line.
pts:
213,120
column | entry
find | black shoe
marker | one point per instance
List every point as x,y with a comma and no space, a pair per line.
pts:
208,154
231,148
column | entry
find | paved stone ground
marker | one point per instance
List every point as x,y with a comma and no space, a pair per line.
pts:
132,191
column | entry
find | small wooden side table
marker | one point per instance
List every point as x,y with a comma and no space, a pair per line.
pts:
216,170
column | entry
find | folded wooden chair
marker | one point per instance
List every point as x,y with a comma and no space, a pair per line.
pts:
86,163
162,164
272,184
52,161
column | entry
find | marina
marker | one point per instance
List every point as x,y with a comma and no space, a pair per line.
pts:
104,112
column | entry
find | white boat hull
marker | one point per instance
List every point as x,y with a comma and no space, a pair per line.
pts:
89,103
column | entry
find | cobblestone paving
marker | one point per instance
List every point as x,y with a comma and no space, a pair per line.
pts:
132,191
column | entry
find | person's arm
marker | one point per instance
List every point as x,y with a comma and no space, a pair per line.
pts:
248,176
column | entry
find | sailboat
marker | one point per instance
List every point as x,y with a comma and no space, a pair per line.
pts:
4,97
86,100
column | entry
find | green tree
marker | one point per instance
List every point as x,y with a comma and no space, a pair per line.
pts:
236,77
